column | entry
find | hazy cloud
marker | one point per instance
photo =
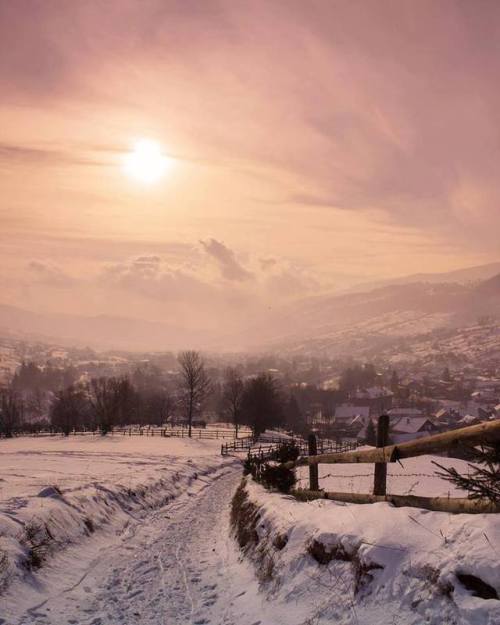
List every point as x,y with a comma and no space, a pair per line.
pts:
50,274
229,267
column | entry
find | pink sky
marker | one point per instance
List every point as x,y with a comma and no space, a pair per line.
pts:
316,145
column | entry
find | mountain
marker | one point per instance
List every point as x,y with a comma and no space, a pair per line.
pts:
338,324
461,276
100,331
490,288
333,324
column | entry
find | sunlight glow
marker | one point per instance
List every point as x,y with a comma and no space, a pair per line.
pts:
146,162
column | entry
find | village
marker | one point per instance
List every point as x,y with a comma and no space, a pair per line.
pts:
334,397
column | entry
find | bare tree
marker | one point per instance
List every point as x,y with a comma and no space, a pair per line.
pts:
232,396
111,400
194,384
68,409
11,412
263,405
160,407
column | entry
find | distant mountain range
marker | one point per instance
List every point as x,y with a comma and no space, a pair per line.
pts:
420,304
331,323
461,276
104,332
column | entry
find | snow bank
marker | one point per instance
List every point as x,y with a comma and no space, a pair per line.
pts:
58,491
371,564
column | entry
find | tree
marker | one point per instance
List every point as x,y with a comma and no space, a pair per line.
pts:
262,404
294,417
394,381
11,412
111,400
371,434
194,384
232,396
483,480
159,407
68,409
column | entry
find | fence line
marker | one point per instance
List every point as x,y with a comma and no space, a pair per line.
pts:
383,454
200,433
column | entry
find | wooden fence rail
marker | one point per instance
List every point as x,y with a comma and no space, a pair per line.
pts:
203,433
446,441
383,454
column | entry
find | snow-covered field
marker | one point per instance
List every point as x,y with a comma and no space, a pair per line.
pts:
59,492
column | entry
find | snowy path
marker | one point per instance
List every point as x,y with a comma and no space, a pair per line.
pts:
176,566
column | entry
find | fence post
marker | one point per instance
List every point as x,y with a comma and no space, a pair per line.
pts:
313,468
380,476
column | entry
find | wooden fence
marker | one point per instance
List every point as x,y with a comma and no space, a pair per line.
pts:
266,450
203,433
383,454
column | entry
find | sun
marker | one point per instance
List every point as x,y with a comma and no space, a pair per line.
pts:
146,162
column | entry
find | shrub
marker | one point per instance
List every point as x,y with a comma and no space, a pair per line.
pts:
287,452
278,477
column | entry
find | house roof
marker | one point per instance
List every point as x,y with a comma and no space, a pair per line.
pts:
406,425
374,392
412,413
348,412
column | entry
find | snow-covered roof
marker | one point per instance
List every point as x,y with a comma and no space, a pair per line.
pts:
374,392
407,425
469,418
348,412
412,413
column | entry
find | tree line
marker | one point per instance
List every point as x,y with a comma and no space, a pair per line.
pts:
102,403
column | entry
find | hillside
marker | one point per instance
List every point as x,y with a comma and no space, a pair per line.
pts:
378,320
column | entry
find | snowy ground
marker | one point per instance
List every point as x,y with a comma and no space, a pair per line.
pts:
137,532
373,564
62,494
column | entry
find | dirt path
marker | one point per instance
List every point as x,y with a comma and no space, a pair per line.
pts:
177,565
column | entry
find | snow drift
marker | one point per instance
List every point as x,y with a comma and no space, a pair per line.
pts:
371,563
58,492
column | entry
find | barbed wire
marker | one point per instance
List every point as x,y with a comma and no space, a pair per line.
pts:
322,477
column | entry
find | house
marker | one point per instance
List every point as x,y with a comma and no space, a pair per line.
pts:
345,413
409,428
468,420
404,413
378,398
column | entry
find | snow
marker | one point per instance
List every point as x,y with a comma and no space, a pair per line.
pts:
172,562
139,535
403,560
56,492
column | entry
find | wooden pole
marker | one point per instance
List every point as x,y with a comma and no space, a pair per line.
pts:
313,468
380,475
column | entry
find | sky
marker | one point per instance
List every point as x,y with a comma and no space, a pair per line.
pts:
311,145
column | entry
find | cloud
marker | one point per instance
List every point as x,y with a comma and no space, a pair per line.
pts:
267,263
32,154
225,258
150,277
50,274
